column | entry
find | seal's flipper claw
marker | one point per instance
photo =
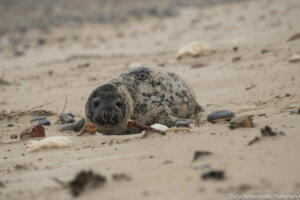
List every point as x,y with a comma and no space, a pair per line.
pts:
88,127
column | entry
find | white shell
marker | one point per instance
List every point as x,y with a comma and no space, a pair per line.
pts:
294,58
50,142
193,49
159,127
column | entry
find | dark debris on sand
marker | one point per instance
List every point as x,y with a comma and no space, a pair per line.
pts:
265,132
86,179
121,177
217,175
198,154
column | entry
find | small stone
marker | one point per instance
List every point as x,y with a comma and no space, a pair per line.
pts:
182,124
45,122
241,121
67,118
10,125
221,115
37,119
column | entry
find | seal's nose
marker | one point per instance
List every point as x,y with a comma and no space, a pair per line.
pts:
106,117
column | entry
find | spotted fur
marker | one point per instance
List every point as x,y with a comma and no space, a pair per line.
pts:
149,96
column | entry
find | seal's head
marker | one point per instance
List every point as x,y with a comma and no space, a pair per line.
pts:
106,108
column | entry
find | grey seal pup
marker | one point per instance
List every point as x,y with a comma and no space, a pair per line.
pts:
147,95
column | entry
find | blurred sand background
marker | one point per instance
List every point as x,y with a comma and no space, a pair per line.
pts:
43,45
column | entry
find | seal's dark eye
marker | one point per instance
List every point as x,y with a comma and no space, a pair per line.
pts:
118,104
96,103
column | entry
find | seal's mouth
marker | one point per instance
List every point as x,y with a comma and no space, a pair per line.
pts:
110,129
108,119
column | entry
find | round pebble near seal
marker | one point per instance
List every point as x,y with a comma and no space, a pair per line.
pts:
146,95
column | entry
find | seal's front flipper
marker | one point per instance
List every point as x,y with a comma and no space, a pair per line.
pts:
76,127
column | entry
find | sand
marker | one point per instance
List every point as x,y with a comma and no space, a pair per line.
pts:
261,82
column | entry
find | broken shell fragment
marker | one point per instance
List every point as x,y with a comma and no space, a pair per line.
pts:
159,127
193,50
33,131
294,58
242,121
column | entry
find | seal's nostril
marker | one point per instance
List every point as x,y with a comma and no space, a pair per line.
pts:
104,116
98,119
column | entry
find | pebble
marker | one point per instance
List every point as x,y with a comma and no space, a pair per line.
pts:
10,125
182,124
45,122
221,115
37,119
67,118
42,121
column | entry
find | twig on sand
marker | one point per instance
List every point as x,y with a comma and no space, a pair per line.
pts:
135,124
66,102
29,110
